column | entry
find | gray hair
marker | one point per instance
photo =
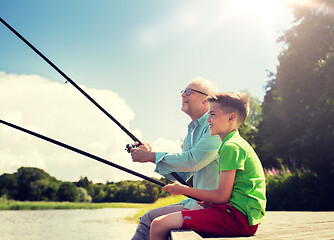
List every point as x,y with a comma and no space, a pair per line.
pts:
207,86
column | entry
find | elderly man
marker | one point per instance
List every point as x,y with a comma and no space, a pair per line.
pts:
199,157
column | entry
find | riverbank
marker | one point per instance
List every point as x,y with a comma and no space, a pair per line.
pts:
44,205
26,205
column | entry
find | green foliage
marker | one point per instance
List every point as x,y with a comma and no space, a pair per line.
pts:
126,191
83,195
6,204
33,184
68,192
298,109
299,191
9,186
249,129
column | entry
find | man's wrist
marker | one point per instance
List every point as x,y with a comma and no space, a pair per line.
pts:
152,157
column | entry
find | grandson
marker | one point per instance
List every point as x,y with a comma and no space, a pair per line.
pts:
238,205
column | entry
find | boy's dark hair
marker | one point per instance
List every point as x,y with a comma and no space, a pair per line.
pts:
233,101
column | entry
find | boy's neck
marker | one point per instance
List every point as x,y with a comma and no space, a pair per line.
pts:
223,135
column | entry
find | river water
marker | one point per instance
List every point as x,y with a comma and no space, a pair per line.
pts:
97,224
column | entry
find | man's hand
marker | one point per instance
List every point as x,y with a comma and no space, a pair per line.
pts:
141,155
145,146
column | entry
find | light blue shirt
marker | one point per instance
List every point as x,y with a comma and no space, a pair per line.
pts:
199,158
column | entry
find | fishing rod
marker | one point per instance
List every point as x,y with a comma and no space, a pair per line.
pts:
86,154
133,137
82,152
71,81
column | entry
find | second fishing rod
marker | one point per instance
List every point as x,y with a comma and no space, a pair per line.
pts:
77,150
134,138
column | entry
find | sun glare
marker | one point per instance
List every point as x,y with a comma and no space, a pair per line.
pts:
268,15
261,8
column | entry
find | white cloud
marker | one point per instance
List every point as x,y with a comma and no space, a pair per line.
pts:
165,145
60,112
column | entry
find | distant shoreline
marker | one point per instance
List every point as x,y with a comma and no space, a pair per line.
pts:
40,205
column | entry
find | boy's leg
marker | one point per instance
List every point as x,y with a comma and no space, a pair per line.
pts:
143,228
162,225
218,220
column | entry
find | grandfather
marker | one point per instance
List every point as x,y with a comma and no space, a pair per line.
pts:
199,157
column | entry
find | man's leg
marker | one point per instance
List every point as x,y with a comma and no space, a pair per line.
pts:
143,228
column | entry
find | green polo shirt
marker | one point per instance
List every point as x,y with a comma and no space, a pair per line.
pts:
249,189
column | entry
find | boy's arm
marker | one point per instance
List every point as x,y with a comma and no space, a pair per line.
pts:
218,196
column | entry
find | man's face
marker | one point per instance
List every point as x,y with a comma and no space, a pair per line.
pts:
193,104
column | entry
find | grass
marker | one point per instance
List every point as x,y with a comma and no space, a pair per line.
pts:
143,207
26,205
159,203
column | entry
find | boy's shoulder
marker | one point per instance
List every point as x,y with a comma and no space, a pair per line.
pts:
236,140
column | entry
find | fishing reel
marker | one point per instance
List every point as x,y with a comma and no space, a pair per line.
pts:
129,147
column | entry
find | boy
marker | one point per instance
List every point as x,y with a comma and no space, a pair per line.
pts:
238,205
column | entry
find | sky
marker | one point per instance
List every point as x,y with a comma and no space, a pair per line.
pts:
133,58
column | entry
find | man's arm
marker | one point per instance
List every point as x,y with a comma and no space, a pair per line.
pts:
199,156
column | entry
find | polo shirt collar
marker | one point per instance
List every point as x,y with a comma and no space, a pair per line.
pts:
230,135
198,121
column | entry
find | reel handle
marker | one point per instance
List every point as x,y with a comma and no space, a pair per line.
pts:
129,146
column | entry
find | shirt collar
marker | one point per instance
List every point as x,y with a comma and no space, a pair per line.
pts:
198,121
230,135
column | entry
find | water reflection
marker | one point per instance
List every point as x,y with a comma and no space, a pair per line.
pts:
99,224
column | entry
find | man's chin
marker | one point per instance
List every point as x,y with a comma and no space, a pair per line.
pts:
184,108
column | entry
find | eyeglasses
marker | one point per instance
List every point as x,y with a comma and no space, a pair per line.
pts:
190,90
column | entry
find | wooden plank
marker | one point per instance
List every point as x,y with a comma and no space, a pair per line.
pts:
181,234
281,225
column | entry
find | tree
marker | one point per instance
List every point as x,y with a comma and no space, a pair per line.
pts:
9,186
32,182
83,182
249,128
297,128
83,195
68,192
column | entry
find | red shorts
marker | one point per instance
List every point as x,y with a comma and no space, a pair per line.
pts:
218,220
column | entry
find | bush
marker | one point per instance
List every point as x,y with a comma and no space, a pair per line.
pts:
299,191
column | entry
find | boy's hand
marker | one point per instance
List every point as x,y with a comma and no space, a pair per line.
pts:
204,204
175,189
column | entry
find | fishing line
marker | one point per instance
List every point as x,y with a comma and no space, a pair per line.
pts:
134,138
85,154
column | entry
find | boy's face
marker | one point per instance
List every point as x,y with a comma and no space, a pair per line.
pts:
219,122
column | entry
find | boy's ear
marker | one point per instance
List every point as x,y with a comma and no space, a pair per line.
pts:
233,117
